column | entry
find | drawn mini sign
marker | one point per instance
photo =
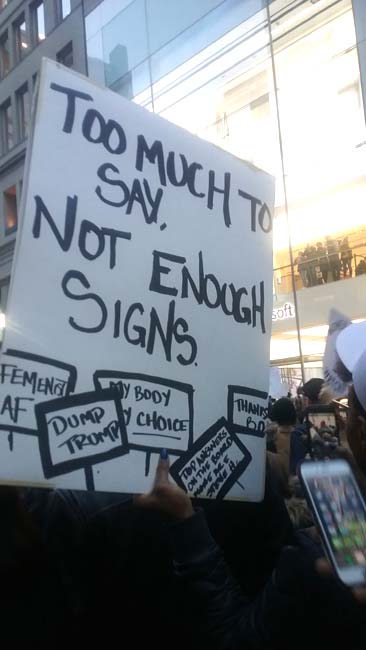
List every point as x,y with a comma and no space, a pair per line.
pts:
158,412
25,380
248,408
79,431
214,463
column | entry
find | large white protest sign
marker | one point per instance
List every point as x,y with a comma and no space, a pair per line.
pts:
142,290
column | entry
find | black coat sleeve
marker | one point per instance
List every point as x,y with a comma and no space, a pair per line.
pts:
228,618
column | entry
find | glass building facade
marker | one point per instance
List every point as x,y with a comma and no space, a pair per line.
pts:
279,84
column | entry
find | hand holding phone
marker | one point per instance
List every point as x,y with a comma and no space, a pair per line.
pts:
340,512
325,568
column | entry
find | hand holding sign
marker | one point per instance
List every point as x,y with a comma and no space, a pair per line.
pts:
165,496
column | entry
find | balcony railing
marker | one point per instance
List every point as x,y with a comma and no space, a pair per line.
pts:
321,269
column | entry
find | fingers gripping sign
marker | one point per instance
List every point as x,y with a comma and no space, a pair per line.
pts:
165,496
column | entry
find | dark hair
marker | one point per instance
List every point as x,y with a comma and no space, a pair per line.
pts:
283,412
312,388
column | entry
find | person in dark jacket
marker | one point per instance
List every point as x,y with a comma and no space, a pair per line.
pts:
291,448
322,261
312,396
294,607
346,257
90,566
312,264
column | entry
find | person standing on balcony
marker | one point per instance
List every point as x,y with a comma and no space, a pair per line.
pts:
333,256
301,267
361,268
346,257
308,266
323,261
314,268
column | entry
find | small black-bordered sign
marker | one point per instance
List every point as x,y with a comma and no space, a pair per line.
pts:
213,464
152,425
30,381
80,430
247,408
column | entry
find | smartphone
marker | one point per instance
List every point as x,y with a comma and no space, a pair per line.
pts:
322,421
340,512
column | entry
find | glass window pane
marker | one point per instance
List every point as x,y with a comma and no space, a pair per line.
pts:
219,35
39,23
135,84
4,55
102,14
124,42
23,112
66,55
7,126
116,47
10,210
93,23
65,8
166,19
323,131
4,291
20,39
96,67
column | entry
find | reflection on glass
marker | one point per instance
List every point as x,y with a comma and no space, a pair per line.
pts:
96,67
208,51
124,42
136,82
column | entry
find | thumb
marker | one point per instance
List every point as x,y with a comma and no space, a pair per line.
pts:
144,501
162,470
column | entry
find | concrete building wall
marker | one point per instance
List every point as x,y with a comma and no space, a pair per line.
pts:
59,32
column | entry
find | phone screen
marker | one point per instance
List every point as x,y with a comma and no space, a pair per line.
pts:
322,423
342,513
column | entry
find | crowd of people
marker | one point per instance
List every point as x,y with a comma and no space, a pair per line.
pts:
327,262
160,569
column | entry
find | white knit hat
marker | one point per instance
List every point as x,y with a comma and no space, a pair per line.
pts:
351,348
359,380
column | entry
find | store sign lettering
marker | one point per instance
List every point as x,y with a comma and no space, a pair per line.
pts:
283,313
